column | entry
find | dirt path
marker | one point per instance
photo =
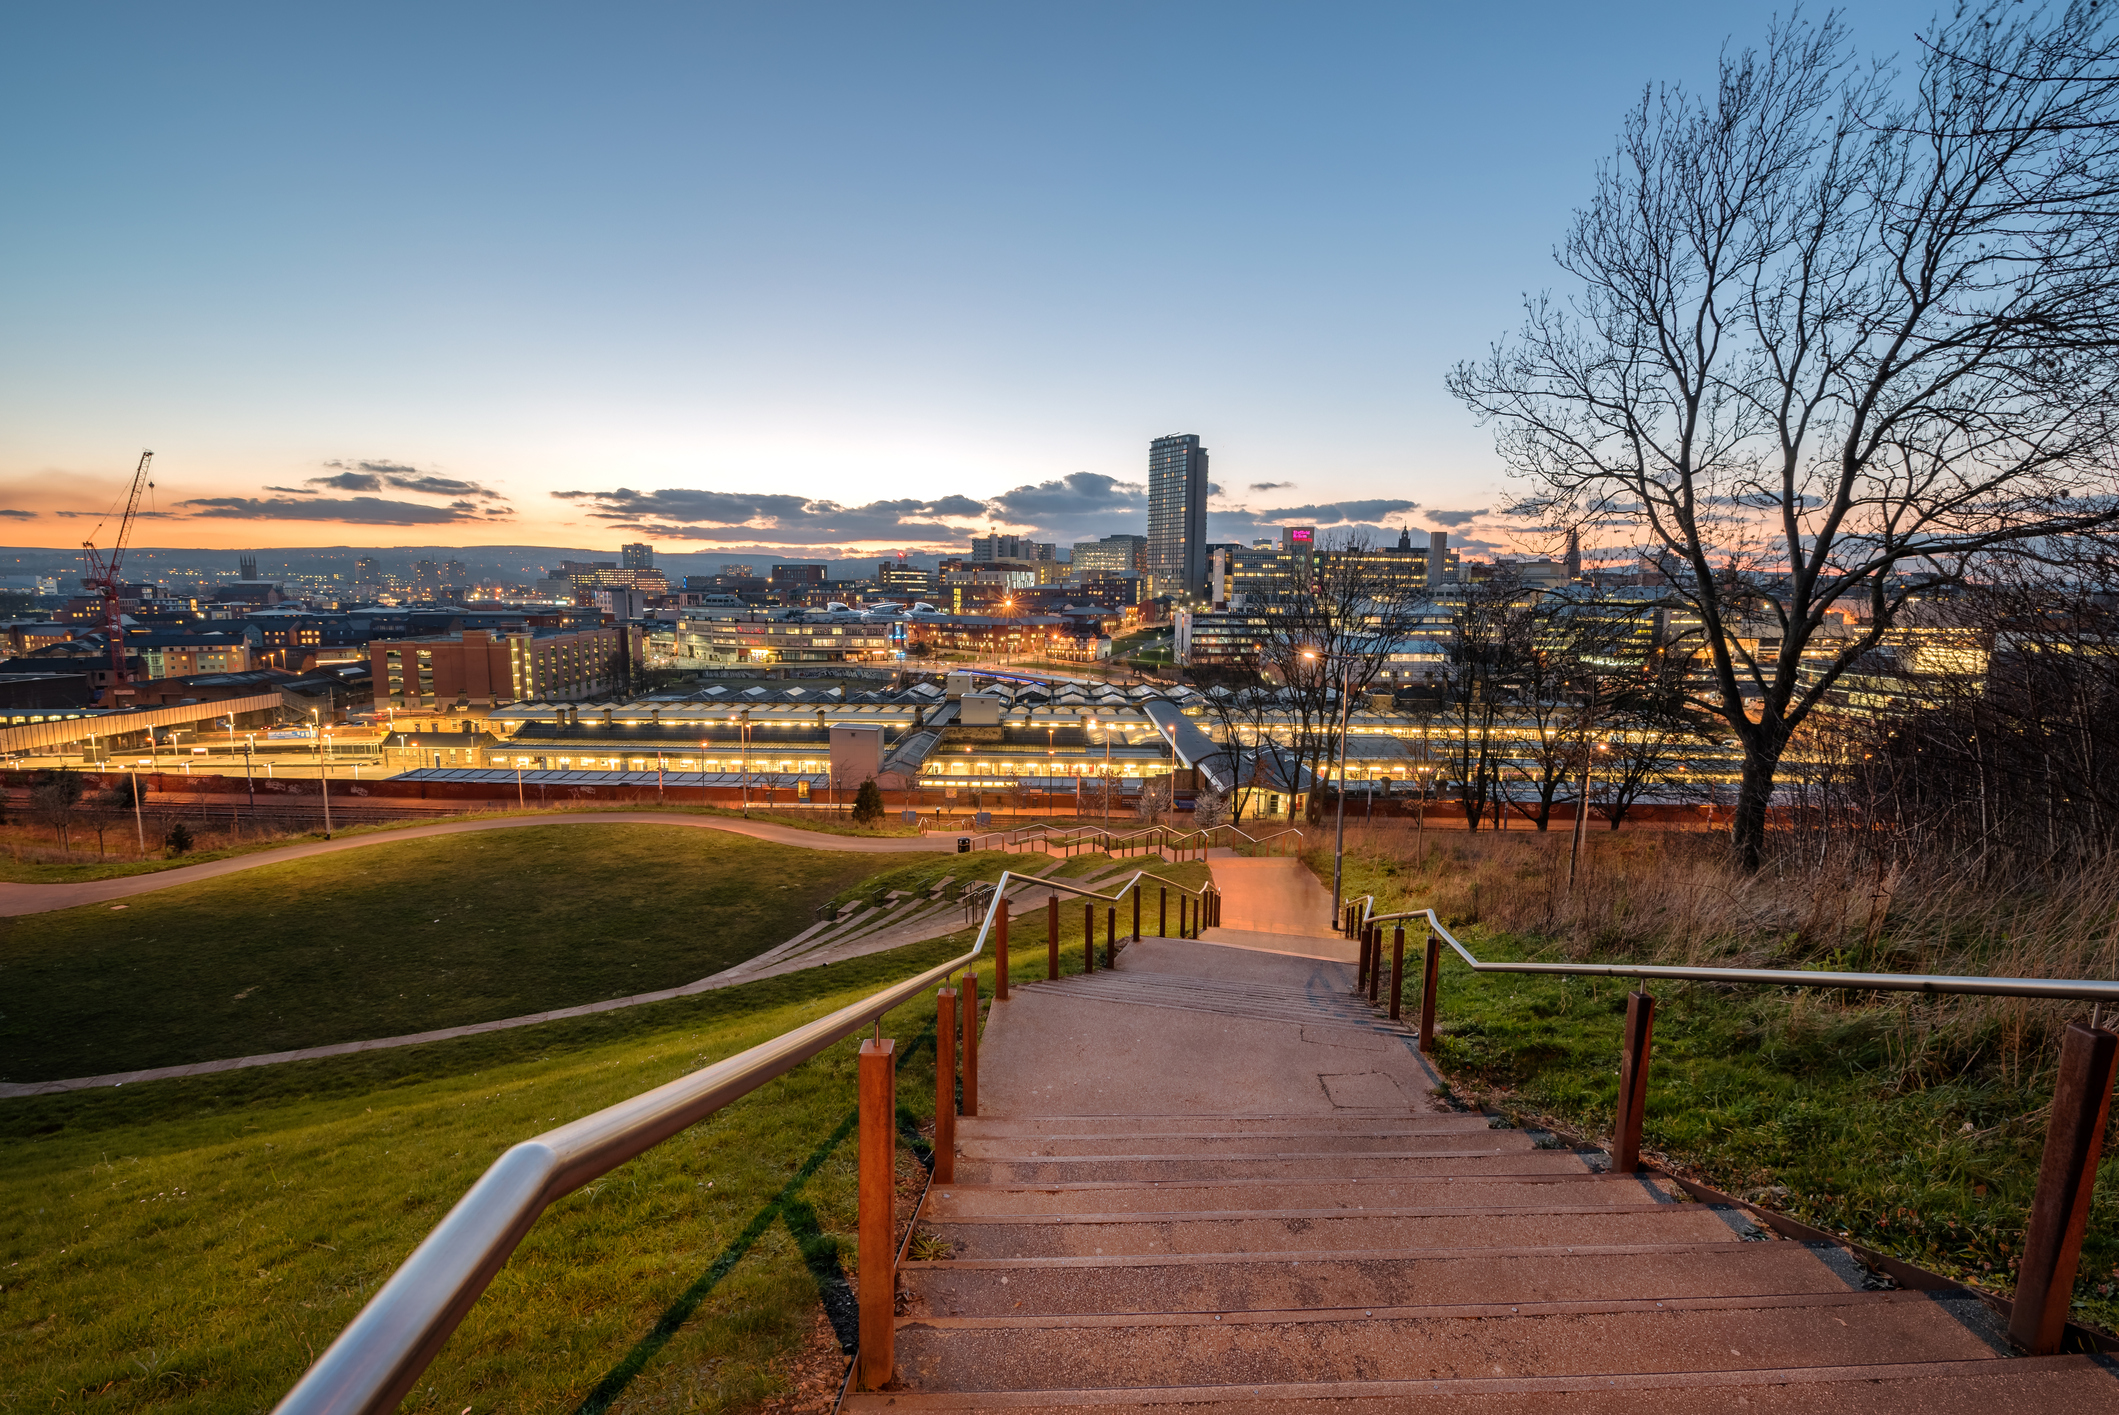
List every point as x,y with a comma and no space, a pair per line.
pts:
17,899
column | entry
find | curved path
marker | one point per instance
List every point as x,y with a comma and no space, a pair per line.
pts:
16,899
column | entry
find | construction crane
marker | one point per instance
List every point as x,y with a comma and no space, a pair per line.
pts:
102,580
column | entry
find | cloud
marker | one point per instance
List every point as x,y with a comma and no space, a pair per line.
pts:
1337,513
1454,518
1271,485
347,481
355,510
751,517
374,476
19,515
298,490
1081,494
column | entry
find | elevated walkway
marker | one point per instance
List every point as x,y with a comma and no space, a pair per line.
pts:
1213,1178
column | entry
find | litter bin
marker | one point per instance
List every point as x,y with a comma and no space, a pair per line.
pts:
963,845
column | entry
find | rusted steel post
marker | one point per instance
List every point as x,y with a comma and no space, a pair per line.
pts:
1111,937
1052,938
1000,957
1361,959
1088,938
878,1255
971,1043
2060,1210
1428,977
1397,971
1633,1083
1162,912
1375,959
1136,913
945,1086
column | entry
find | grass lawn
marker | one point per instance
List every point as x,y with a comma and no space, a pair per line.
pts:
396,938
187,1246
17,870
1777,1096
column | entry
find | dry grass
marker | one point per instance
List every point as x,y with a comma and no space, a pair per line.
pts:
1669,897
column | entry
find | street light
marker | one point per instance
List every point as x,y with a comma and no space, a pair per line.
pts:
744,719
1346,713
1574,854
250,784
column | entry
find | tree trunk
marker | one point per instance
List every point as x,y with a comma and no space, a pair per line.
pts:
1754,792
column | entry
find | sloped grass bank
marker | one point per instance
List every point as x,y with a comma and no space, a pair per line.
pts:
1829,1107
395,938
188,1246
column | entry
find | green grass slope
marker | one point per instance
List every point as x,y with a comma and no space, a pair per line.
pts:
189,1246
395,938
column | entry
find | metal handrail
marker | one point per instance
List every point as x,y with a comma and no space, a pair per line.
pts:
384,1350
2065,989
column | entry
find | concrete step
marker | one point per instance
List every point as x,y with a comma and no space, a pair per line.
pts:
993,1126
1477,1156
1522,1190
1394,1141
1336,1231
2046,1385
1240,1282
1518,1340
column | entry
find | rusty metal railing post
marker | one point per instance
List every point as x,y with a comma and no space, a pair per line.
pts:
878,1255
1111,937
1633,1083
945,1086
971,1043
1136,913
1397,971
1088,938
1000,954
1162,912
1430,974
1375,932
2067,1177
1052,937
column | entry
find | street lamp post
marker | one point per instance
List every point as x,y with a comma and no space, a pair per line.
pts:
139,826
1346,714
249,779
744,777
324,779
1574,854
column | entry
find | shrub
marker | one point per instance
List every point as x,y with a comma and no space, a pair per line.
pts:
178,840
868,803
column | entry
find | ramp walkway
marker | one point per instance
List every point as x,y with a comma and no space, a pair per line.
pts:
1215,1178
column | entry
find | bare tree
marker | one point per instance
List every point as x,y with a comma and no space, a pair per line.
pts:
1831,336
1331,630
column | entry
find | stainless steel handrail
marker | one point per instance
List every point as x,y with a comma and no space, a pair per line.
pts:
382,1352
2066,989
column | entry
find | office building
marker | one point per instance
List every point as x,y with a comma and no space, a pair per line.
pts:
1177,515
367,577
637,556
1112,555
984,548
482,668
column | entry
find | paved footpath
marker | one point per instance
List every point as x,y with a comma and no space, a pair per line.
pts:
17,899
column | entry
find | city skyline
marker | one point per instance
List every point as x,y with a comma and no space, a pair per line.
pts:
575,283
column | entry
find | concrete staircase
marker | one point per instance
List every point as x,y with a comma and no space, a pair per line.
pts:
1214,1179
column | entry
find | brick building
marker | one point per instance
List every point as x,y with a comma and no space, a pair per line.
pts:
481,668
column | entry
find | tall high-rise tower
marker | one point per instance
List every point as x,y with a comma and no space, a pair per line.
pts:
1177,515
638,556
1574,553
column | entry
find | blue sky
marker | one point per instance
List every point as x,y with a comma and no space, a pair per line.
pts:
784,276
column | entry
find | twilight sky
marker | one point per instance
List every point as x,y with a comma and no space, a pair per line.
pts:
789,277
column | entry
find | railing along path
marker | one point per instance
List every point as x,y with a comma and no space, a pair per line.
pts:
384,1350
2067,1177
